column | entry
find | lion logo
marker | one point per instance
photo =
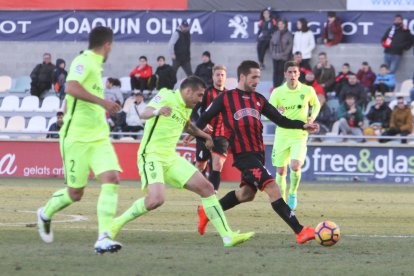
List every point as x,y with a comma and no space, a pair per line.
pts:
239,23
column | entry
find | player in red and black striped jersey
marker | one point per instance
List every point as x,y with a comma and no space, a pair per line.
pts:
215,127
241,109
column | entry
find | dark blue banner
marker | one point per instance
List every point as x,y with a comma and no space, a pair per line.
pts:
154,26
342,164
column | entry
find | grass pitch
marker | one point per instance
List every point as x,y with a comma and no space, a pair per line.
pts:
377,227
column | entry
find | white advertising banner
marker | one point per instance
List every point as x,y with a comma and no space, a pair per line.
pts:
380,5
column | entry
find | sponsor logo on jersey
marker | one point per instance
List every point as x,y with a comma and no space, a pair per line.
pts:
157,99
79,69
246,112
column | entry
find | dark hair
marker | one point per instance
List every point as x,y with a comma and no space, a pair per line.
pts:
331,14
207,54
290,63
322,54
304,23
59,113
245,66
114,81
285,22
346,64
398,15
384,65
143,57
297,53
262,12
160,57
99,36
365,63
192,82
47,54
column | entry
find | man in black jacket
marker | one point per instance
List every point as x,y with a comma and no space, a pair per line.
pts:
395,41
42,76
205,69
165,74
179,48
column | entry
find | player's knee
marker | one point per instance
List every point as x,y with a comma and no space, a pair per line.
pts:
154,201
281,171
246,195
206,189
295,166
76,194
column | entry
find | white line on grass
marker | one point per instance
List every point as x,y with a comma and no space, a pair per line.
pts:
72,218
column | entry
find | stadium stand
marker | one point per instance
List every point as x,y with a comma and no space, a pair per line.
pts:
231,83
2,123
50,104
10,103
15,123
5,83
22,85
125,84
36,124
29,103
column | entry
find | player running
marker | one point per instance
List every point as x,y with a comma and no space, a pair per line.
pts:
293,99
85,143
218,154
167,116
241,109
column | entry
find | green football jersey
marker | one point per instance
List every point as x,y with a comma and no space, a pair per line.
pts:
161,133
295,104
85,121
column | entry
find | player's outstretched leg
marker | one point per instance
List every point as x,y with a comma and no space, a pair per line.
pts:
106,209
213,211
60,200
303,234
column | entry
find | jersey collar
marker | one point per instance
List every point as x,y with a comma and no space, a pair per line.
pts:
297,87
98,58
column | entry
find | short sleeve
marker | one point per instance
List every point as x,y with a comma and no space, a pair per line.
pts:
161,99
79,70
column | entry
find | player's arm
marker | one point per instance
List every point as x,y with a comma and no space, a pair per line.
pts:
75,89
150,112
213,110
194,131
316,106
271,112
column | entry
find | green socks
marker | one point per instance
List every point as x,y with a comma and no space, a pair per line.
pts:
294,181
136,210
216,216
59,201
281,182
107,204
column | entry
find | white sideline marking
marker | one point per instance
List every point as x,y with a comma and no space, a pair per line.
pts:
72,218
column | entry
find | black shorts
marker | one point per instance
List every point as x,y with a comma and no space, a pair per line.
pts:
221,146
254,173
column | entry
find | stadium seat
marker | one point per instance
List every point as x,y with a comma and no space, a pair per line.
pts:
5,83
231,83
50,104
15,123
30,103
51,121
22,85
2,123
125,84
10,103
4,137
406,87
36,123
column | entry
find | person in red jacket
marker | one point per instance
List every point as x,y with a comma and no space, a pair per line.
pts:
311,81
332,32
366,77
141,75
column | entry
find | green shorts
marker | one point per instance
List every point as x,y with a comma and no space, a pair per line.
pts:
79,158
285,150
176,172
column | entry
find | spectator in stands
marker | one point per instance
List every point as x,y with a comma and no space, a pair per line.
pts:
59,78
141,76
385,80
366,77
42,76
325,73
205,69
113,90
401,121
304,67
179,48
378,116
395,41
281,48
267,25
311,81
117,121
332,31
325,117
342,77
353,87
165,74
350,118
303,42
133,121
56,126
412,91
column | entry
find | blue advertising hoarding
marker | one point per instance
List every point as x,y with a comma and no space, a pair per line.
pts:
157,26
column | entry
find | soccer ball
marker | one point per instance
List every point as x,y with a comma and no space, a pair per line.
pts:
327,233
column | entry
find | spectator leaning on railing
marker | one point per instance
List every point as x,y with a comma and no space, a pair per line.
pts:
378,116
56,126
350,118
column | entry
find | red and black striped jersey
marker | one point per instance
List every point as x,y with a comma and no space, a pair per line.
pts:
241,113
216,122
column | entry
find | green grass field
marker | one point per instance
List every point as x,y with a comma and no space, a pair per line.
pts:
377,226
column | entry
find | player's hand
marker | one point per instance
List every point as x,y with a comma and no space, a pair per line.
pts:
187,139
111,106
165,111
310,120
208,129
281,109
209,143
311,128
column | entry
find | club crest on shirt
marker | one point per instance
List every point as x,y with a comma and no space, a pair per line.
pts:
79,69
302,96
246,112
